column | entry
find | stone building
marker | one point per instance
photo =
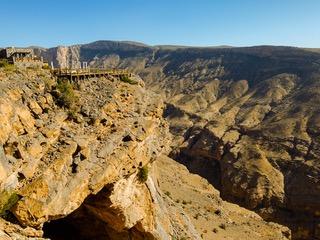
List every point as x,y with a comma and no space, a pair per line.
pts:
23,57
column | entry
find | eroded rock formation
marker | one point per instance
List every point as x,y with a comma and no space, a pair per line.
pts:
247,119
56,163
75,172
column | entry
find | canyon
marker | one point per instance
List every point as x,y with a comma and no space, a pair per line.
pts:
246,119
213,127
87,160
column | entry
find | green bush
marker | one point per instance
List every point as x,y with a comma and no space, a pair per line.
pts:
126,79
33,68
7,200
67,97
45,67
48,82
7,66
3,63
179,238
143,174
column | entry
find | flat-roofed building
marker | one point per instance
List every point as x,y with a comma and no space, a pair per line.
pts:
23,57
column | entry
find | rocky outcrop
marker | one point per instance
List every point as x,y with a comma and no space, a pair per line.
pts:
54,161
10,231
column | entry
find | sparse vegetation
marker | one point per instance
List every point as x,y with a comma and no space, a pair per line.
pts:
48,82
217,212
167,193
45,67
7,200
3,63
179,238
33,68
7,66
127,80
222,226
72,114
143,174
67,97
197,216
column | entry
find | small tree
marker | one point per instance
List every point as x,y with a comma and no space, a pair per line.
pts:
67,96
126,79
143,174
7,200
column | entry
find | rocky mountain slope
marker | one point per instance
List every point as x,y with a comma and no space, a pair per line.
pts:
53,161
247,119
74,162
191,197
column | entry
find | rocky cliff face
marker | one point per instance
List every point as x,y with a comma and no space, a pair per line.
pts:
52,164
78,170
196,205
247,119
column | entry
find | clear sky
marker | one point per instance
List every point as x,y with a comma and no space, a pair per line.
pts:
181,22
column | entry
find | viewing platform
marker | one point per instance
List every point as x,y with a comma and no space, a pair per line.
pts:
80,74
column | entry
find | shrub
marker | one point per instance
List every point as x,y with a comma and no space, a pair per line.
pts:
67,97
7,200
126,79
3,63
33,68
222,226
48,82
45,67
143,174
7,66
217,212
179,238
168,193
197,216
72,114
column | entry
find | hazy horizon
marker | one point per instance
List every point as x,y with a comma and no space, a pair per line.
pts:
157,45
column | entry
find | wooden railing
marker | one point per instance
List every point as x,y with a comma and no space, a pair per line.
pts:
26,59
68,71
88,72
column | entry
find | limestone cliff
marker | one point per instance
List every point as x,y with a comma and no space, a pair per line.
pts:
247,119
75,167
55,161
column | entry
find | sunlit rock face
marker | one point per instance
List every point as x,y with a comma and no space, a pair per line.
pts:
247,119
97,167
54,161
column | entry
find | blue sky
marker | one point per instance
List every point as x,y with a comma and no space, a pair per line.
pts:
181,22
